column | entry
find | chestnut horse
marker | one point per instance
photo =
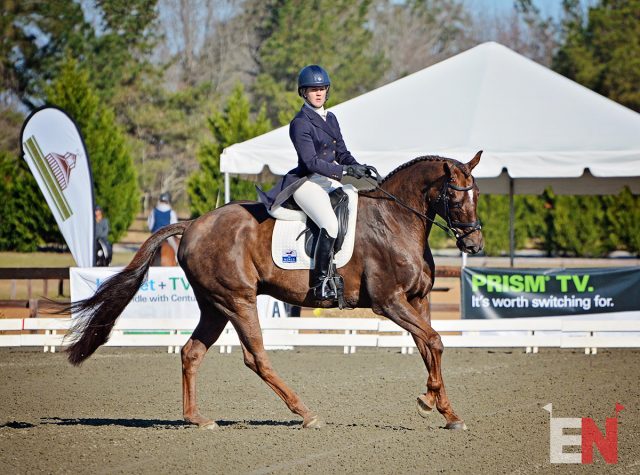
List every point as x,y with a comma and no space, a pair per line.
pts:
226,257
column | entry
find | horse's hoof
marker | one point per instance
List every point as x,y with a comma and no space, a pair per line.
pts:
201,422
209,425
456,425
423,408
314,422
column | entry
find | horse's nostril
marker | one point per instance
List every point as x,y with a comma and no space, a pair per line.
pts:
473,249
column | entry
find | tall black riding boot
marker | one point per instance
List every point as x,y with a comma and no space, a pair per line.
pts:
322,289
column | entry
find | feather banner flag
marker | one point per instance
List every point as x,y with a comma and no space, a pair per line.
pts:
55,152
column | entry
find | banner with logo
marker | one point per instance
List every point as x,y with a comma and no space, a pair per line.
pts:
165,294
512,293
54,149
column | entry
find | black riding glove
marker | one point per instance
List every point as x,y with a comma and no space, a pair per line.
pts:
356,170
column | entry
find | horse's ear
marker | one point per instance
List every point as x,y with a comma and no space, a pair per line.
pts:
474,161
448,170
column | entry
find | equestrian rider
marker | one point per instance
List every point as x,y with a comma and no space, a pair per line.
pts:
323,159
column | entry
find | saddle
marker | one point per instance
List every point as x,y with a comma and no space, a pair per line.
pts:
340,204
295,235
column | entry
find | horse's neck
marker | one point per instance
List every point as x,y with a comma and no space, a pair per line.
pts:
412,184
410,192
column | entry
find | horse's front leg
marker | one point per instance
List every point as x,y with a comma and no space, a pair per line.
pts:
429,343
247,325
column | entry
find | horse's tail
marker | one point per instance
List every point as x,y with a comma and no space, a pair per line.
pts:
97,315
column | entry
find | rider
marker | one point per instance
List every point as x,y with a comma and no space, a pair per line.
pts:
323,159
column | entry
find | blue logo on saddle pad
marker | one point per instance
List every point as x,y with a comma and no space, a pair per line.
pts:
289,256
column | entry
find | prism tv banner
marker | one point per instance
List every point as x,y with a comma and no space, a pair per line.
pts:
512,293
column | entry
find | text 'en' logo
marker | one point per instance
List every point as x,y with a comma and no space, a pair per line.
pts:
590,436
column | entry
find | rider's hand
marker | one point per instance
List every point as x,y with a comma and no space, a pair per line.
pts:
356,170
371,171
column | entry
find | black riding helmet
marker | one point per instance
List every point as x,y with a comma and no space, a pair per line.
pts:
313,76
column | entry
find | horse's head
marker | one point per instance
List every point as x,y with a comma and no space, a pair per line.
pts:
457,203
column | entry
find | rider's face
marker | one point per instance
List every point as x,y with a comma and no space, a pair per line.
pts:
316,96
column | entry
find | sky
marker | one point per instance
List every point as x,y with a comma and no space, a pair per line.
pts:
547,7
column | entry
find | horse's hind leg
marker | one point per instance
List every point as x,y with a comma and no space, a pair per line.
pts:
206,333
435,396
430,346
428,400
255,357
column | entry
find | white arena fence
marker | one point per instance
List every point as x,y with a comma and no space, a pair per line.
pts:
596,331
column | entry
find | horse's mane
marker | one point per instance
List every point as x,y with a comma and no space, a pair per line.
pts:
434,158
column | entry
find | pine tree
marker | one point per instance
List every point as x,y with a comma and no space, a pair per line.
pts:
603,52
115,184
35,36
331,33
27,221
231,125
623,212
493,212
581,226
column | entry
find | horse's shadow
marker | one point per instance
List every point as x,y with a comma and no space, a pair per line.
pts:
17,425
268,422
151,423
105,422
175,424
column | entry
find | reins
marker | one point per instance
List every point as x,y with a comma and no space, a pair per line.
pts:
404,205
449,229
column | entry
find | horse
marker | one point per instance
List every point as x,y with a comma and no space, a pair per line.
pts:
226,257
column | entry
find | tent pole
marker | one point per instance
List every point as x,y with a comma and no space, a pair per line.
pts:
227,188
512,244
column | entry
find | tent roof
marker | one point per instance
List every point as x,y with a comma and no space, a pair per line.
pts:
529,120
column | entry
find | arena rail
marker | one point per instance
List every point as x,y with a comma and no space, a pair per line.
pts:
349,333
16,308
34,273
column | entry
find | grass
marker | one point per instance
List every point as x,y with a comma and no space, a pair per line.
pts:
52,259
24,289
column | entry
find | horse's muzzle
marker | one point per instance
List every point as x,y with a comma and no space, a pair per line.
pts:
471,244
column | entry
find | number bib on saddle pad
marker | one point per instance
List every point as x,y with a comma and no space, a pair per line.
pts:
288,241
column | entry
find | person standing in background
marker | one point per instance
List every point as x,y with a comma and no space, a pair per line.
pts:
103,246
163,215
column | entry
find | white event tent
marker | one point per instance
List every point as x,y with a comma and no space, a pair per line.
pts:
536,127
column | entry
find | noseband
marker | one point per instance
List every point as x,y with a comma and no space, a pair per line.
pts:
451,226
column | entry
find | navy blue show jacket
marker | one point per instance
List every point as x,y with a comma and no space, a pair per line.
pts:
319,144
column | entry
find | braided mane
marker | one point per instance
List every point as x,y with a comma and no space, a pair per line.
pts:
434,158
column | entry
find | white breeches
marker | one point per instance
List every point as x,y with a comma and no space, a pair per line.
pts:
313,199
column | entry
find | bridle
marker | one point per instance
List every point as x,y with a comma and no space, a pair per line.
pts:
454,225
451,229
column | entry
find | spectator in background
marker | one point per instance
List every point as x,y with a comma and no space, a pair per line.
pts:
103,246
163,215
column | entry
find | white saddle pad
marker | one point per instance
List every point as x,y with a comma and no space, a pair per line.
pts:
288,252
